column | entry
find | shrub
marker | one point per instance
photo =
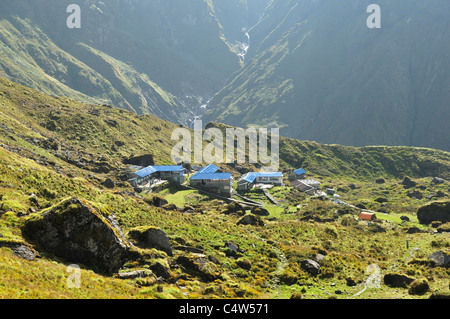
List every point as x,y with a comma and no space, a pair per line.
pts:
348,220
49,194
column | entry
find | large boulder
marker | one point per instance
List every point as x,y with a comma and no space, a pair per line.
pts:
199,266
151,237
77,232
251,219
310,266
436,211
440,259
396,280
407,182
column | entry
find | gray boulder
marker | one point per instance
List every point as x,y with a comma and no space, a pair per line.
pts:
197,265
77,232
135,274
151,237
440,259
251,219
437,180
109,183
310,266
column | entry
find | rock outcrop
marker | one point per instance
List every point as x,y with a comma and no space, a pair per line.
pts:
77,232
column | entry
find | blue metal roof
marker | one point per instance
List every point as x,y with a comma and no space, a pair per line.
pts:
153,169
300,171
168,168
250,177
212,176
210,169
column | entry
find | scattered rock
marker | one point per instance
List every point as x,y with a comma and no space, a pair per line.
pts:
151,237
78,232
169,207
407,182
444,228
197,265
134,274
156,200
260,211
440,259
234,208
404,218
251,219
109,183
140,160
413,230
320,258
190,249
189,209
160,270
310,266
419,287
20,249
350,282
430,196
233,246
440,295
415,194
437,180
381,200
396,280
244,264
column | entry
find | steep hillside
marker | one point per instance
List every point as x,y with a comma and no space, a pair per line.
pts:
320,73
55,154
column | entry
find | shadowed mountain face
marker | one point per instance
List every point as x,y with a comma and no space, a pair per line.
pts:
313,68
153,57
316,69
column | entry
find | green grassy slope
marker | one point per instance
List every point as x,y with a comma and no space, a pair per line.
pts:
57,148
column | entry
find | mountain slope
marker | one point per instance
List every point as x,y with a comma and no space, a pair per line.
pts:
150,57
317,71
54,149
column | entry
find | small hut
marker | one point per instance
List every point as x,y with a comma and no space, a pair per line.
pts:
367,216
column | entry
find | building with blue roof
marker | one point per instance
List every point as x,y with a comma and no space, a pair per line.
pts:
297,174
174,173
210,179
249,180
